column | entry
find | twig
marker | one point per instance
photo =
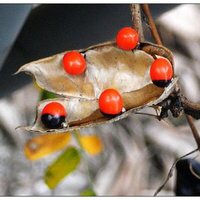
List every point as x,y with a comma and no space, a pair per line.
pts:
191,169
187,104
152,25
190,108
148,114
137,21
85,160
194,130
171,171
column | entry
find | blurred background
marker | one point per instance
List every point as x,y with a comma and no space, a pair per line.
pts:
139,150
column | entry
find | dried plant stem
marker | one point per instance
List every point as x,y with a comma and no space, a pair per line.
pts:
191,169
136,21
190,108
171,171
188,105
85,160
158,41
148,114
152,25
194,130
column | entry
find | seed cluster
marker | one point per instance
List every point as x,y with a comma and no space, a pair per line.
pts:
110,101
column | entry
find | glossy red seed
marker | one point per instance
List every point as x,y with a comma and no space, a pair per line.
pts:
74,63
161,72
54,108
127,38
110,102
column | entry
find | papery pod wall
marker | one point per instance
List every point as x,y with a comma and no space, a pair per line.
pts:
108,66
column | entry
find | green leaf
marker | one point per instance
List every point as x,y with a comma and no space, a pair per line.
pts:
63,166
47,95
88,192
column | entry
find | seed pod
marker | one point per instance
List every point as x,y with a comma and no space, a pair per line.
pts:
128,72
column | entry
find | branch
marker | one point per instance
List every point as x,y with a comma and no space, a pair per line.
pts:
190,108
136,21
82,151
192,170
194,130
152,25
171,171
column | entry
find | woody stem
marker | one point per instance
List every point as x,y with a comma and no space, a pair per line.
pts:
154,31
136,21
194,130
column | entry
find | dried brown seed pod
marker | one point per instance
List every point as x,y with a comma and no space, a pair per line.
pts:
107,66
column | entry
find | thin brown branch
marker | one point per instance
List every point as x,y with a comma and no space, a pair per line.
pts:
172,169
152,25
192,170
148,114
137,21
194,130
190,108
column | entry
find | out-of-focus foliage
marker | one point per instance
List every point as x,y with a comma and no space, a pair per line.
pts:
62,166
88,192
38,147
91,144
47,95
41,146
44,94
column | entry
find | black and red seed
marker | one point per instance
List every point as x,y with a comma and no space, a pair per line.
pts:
161,72
110,103
53,115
